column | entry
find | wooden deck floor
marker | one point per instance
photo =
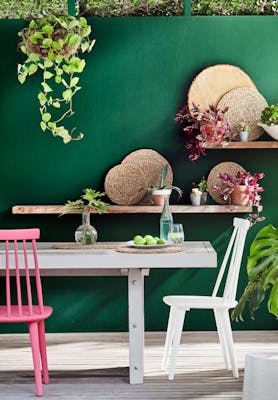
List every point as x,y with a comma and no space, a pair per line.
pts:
90,366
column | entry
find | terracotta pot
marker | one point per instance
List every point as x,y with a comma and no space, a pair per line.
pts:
210,128
158,196
239,196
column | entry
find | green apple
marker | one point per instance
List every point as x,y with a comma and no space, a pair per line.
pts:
150,242
148,237
139,240
137,237
160,241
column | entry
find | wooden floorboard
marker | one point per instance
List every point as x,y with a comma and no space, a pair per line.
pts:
94,366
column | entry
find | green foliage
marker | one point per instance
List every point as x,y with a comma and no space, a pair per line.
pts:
262,270
202,185
90,199
29,9
234,7
51,45
117,8
269,115
162,185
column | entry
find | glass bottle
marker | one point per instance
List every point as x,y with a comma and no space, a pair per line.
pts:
166,220
86,233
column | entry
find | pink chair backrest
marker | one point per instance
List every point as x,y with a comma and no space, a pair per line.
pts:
21,258
234,253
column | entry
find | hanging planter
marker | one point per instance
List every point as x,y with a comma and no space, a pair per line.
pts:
52,45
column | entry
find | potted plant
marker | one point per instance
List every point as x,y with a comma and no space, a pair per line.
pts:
51,45
202,187
262,271
242,190
159,192
86,233
244,131
202,128
269,120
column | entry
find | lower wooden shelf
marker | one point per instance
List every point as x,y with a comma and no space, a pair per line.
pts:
244,145
179,209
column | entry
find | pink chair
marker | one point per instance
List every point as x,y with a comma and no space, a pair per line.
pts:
20,260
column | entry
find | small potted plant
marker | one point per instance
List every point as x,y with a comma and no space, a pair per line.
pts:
195,196
202,187
202,128
242,190
86,234
159,192
244,131
269,120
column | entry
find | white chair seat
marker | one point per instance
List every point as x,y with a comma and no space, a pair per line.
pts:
180,305
187,302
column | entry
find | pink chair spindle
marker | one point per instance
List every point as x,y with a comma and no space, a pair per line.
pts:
8,283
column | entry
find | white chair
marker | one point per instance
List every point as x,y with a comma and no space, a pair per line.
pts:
220,305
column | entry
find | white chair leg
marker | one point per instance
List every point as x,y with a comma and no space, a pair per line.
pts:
169,338
178,325
229,340
222,339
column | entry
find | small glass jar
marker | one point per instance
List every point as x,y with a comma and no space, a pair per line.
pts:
86,234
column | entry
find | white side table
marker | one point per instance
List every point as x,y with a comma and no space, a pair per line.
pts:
261,376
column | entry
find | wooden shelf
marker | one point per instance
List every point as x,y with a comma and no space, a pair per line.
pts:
244,145
179,209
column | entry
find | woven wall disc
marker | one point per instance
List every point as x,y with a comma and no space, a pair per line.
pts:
246,105
150,162
213,82
228,167
124,183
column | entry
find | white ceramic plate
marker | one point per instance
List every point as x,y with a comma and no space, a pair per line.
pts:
144,246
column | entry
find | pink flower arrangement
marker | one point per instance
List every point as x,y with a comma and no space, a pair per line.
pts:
203,127
252,190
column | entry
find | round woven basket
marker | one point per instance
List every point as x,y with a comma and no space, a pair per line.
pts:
227,167
213,82
244,104
150,162
124,184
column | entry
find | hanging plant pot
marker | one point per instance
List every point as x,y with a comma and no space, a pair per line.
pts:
52,45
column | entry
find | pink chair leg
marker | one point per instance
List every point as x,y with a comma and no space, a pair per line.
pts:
43,352
34,338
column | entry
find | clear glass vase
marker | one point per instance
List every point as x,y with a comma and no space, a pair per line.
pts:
86,234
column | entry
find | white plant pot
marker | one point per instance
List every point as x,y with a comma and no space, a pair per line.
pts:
272,130
244,135
196,199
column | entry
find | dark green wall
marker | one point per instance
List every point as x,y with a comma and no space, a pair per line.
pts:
136,78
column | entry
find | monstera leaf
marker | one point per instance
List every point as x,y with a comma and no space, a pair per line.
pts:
262,270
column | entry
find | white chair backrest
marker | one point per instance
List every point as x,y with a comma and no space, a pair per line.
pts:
236,244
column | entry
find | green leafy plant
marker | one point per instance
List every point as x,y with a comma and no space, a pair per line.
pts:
202,185
234,7
115,8
262,270
51,45
28,9
90,199
269,115
162,185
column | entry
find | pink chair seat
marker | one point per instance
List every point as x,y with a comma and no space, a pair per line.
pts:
25,316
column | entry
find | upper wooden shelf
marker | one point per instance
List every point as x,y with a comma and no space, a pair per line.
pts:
180,209
244,145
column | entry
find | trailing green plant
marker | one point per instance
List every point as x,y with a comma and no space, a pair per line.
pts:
90,199
162,184
269,115
118,8
52,45
262,270
234,7
29,9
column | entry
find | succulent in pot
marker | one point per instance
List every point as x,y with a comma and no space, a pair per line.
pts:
51,45
159,192
202,190
244,131
269,120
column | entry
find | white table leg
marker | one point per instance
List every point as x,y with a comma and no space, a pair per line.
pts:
136,325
